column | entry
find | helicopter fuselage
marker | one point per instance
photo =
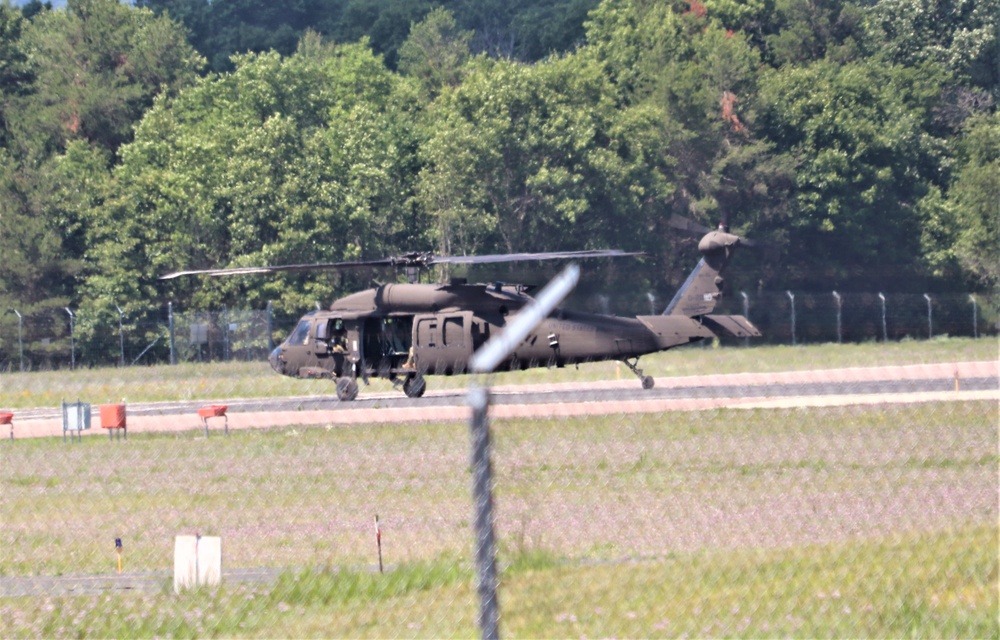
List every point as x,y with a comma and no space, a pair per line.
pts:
403,332
408,330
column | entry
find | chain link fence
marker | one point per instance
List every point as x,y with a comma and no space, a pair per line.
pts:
66,339
823,497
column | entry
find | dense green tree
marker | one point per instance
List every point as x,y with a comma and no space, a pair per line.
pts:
304,159
16,73
807,30
96,66
963,227
530,157
959,35
856,137
435,52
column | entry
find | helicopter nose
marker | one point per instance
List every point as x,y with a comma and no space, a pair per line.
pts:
275,360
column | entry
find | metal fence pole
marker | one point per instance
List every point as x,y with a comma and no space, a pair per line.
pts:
975,316
20,339
746,314
170,324
885,332
840,338
930,324
791,297
72,341
270,326
482,495
486,360
121,337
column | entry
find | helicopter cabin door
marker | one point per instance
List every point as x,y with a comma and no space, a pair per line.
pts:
387,343
442,342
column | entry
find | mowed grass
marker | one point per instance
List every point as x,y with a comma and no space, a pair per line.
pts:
853,521
210,381
941,584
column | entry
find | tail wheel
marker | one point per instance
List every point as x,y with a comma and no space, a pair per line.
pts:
414,386
347,389
648,382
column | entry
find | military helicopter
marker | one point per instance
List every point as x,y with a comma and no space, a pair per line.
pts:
404,332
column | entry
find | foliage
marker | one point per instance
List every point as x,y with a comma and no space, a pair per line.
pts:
435,52
241,170
527,157
963,227
856,135
77,81
839,133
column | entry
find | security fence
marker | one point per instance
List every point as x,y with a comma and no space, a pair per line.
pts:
65,338
772,504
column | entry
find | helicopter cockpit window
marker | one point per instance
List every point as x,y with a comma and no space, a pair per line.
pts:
301,333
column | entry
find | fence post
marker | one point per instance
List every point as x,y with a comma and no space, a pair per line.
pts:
885,332
72,341
485,360
225,333
839,334
791,296
270,326
121,337
975,316
746,314
170,325
930,324
20,339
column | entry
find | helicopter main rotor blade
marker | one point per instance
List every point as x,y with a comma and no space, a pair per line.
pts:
529,257
687,224
416,259
243,271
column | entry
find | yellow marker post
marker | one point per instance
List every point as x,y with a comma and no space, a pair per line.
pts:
118,550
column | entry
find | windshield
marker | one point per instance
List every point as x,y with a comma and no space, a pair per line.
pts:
301,333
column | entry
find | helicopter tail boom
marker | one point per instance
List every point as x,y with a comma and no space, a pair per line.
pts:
675,330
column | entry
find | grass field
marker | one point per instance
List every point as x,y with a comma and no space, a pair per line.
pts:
255,379
853,521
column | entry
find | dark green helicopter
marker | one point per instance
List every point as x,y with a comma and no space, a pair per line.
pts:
404,332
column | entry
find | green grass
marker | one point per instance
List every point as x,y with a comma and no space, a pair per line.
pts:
930,585
255,379
848,521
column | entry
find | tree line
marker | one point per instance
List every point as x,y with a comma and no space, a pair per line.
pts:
857,142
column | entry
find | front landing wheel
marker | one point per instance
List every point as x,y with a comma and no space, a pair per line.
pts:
414,386
347,389
648,382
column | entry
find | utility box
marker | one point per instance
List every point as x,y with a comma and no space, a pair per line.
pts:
197,562
76,418
113,418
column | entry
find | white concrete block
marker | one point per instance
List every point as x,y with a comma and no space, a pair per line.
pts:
197,562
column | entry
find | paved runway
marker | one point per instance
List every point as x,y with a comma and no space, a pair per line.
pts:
910,383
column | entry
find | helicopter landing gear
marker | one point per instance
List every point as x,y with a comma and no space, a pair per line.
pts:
347,389
414,386
647,381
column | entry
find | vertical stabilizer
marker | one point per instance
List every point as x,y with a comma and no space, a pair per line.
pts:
701,291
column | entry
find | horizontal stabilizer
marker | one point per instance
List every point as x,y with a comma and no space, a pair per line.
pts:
734,325
673,331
